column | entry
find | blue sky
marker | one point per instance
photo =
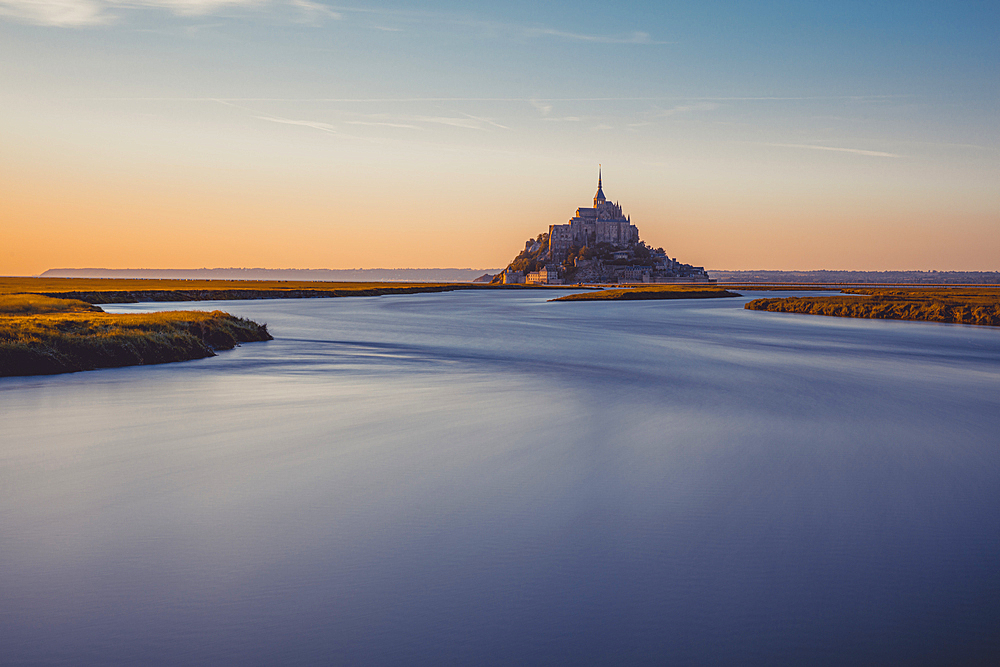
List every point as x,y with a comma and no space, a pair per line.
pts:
725,128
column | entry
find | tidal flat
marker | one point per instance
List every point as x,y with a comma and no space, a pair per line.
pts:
641,292
488,478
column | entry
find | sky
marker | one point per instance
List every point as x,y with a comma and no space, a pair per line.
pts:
305,134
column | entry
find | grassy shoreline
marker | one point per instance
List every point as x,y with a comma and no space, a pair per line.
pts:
949,306
44,336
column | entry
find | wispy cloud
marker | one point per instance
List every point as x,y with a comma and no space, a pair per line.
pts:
55,12
186,7
488,121
314,13
686,108
316,125
544,108
650,117
856,151
379,120
497,28
636,37
466,123
77,13
381,124
975,147
74,13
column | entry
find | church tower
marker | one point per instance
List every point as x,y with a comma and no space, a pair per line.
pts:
599,197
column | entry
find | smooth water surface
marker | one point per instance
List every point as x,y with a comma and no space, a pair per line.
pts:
487,478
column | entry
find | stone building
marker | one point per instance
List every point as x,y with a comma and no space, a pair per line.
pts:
604,223
635,274
547,275
512,277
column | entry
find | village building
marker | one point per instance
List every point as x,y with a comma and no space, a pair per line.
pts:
512,277
547,275
635,274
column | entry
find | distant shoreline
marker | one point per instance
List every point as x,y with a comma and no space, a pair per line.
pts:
406,275
467,275
861,278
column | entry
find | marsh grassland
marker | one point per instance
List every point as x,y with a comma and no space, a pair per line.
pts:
647,293
947,305
41,335
93,290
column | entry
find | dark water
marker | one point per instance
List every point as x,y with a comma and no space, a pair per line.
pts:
487,478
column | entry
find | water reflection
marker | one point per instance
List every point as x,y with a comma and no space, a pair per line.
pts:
489,478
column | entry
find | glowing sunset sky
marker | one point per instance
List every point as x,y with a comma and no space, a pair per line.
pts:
795,135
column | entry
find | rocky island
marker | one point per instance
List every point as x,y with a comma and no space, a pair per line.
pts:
599,245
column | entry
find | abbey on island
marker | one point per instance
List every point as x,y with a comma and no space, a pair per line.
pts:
598,245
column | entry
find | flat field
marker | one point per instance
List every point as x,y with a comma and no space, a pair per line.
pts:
113,290
26,284
961,305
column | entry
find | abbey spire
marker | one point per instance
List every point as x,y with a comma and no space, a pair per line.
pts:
599,198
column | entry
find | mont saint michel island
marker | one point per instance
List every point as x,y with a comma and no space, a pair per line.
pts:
598,245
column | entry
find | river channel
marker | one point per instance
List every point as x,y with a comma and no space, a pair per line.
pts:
489,478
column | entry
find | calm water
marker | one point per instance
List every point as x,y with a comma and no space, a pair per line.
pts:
487,478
